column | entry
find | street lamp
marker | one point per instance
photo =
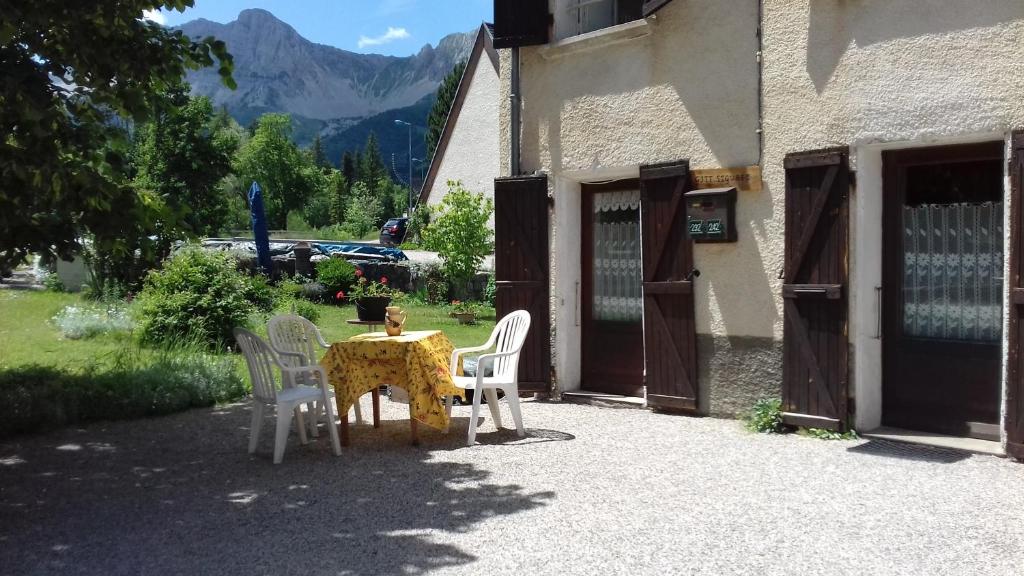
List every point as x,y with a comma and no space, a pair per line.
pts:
399,123
422,164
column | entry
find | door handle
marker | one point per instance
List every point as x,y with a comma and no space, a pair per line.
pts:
693,274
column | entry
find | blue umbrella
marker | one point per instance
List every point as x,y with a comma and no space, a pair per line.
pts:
259,229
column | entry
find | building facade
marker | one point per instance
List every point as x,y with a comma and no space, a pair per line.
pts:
871,277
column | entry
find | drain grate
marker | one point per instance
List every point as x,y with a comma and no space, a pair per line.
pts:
907,451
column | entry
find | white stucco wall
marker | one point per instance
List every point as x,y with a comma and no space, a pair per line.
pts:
472,152
883,74
687,89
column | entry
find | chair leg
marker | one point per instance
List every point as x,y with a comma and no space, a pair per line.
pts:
313,411
300,424
359,413
284,425
512,395
335,442
473,419
448,411
492,403
254,427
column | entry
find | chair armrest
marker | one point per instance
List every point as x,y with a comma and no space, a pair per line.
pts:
315,370
484,358
454,366
320,340
287,357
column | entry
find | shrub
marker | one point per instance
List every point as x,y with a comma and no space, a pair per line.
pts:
460,234
418,222
38,398
491,292
766,416
76,322
199,295
362,212
335,274
260,293
53,283
822,434
306,309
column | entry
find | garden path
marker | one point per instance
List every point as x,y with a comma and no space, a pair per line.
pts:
589,491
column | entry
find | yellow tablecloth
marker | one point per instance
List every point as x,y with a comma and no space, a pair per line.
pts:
417,362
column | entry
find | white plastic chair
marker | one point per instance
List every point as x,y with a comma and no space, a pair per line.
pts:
507,339
262,360
295,339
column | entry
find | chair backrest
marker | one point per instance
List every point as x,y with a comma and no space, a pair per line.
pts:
260,359
291,333
509,335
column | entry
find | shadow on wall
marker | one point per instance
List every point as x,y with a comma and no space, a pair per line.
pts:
835,23
179,495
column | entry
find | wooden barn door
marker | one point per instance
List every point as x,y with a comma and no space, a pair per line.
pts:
670,333
814,292
1015,382
521,269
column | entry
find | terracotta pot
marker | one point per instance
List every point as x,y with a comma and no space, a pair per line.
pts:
372,309
465,317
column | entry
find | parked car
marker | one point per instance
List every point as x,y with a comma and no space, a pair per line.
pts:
393,232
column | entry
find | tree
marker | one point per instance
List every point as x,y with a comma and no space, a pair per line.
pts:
442,106
286,175
182,156
75,74
319,156
362,212
349,170
459,233
371,168
339,188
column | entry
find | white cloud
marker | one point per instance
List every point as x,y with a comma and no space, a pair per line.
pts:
391,35
155,16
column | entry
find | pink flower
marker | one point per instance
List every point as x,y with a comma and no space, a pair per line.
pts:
383,279
340,295
359,273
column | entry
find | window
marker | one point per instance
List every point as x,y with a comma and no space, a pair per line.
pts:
575,17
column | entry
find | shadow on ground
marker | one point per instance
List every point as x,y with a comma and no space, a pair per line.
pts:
179,495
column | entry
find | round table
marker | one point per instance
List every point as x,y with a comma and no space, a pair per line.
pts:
368,323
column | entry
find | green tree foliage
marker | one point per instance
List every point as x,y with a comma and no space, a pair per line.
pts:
319,155
459,232
182,156
74,74
371,168
338,186
442,106
349,170
286,175
363,211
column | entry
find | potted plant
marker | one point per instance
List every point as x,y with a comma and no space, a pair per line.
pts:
371,297
464,312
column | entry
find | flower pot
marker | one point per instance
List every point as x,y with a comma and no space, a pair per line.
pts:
372,309
465,317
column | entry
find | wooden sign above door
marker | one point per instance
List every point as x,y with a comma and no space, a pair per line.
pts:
745,179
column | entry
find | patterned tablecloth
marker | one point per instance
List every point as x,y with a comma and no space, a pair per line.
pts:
417,362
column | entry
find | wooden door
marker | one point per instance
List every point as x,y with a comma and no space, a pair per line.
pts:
814,291
521,269
670,333
942,281
1015,382
611,301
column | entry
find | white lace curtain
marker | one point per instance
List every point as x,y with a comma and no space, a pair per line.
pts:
617,273
953,268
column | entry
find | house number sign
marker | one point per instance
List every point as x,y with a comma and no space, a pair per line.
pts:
746,179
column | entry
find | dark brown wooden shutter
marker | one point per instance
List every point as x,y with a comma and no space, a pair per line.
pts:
652,6
814,292
670,333
1015,382
520,23
521,269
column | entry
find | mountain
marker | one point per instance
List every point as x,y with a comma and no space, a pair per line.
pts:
323,88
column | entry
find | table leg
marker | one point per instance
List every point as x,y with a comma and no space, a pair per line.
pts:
414,428
376,407
343,430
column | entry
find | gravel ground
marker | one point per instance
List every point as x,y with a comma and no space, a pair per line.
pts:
589,491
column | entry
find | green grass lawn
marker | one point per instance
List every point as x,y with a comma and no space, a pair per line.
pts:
28,336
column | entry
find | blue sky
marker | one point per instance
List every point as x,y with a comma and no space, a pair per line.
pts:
393,27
